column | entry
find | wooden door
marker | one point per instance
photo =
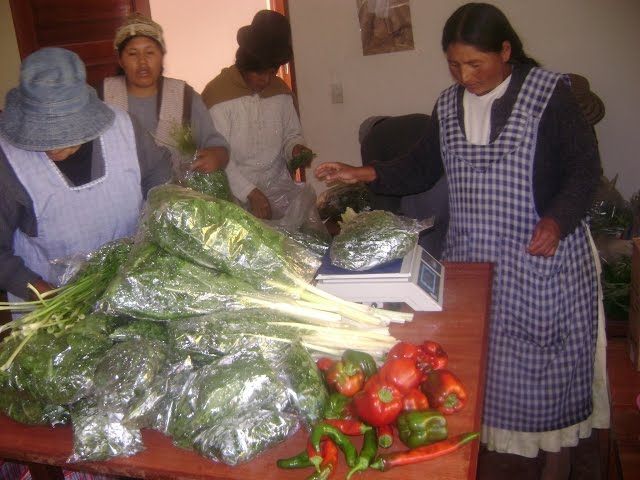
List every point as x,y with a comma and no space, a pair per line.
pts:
86,27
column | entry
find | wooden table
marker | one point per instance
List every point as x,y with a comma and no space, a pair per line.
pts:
461,328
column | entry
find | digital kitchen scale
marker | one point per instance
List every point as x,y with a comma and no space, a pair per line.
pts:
417,280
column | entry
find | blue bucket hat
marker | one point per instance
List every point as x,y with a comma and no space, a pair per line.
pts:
53,107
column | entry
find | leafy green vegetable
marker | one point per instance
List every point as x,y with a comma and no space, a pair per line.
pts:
237,383
23,408
126,371
99,434
215,184
209,337
223,236
368,239
302,160
616,288
140,330
59,370
333,202
157,285
71,303
241,437
306,384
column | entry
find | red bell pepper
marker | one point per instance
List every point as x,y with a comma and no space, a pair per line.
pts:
378,403
402,373
405,350
434,355
345,378
324,363
445,391
414,399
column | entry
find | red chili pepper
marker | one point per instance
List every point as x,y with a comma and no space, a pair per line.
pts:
445,391
329,453
324,363
345,378
348,426
402,373
378,403
434,355
421,454
385,436
414,399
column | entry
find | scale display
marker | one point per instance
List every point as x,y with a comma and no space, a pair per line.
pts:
417,280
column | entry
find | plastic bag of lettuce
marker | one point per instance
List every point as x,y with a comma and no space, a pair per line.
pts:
369,239
223,236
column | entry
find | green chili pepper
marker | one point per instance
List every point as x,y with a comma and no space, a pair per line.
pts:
337,407
298,461
367,453
321,430
421,427
363,360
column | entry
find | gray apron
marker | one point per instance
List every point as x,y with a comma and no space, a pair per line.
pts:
544,310
75,220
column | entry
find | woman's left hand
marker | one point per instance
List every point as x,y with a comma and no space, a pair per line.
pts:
545,239
210,159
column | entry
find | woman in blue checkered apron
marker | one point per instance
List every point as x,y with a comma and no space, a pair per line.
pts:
544,321
522,167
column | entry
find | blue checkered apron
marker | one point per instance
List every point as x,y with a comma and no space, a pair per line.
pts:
544,310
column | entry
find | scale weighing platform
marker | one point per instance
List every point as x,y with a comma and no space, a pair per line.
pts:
417,280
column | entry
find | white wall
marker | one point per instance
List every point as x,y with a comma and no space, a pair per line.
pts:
596,38
201,35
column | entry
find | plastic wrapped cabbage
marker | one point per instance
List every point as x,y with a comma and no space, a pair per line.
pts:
221,235
369,239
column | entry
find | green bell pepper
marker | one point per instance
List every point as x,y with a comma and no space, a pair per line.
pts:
361,359
421,427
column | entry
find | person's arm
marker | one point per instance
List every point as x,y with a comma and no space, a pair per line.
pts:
566,170
241,187
155,161
293,139
414,172
16,212
213,148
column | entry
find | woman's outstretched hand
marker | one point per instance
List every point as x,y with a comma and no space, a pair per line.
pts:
330,172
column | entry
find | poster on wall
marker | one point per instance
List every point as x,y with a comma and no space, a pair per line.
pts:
385,26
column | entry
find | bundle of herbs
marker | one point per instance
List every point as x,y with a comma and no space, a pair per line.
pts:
59,309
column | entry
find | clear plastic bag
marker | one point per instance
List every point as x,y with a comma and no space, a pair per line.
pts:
99,434
223,236
126,371
157,285
301,221
369,239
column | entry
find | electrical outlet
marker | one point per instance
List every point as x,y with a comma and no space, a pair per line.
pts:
336,93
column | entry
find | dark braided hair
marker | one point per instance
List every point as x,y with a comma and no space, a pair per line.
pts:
484,27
